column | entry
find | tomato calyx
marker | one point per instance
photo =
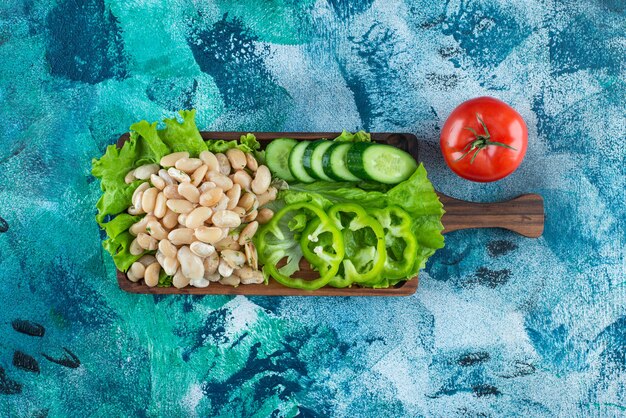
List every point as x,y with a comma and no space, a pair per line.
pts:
480,142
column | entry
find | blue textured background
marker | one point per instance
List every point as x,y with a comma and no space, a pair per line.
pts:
500,326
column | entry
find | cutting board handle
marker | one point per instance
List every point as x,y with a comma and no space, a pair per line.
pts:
524,214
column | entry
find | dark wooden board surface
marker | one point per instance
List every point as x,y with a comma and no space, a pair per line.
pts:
524,215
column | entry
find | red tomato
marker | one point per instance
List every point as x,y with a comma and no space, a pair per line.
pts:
484,139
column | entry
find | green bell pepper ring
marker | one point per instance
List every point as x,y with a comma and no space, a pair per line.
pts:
282,236
400,243
364,242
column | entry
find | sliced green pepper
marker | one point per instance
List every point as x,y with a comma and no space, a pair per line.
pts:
364,242
282,236
400,243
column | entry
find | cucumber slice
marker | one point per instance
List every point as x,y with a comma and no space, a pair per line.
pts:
313,159
296,165
381,163
334,162
277,157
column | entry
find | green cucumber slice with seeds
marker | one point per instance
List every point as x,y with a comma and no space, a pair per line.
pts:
334,162
296,166
312,160
381,163
277,157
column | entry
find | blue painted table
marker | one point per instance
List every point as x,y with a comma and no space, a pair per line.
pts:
500,326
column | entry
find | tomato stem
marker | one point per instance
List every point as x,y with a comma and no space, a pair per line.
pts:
480,142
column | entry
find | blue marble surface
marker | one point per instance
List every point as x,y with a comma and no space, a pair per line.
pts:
501,325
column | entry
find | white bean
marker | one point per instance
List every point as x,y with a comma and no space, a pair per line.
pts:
268,196
224,269
157,182
140,226
190,264
166,177
131,276
249,276
145,171
182,220
156,230
138,270
188,165
210,265
220,180
189,192
210,160
233,258
226,219
170,220
167,248
252,255
224,164
222,204
170,265
198,175
231,280
160,257
250,216
171,192
265,215
206,186
151,276
141,188
197,217
233,196
146,242
147,259
181,236
227,243
243,179
135,211
211,197
137,198
251,162
212,277
237,158
201,249
160,207
130,177
170,159
262,180
239,211
248,232
180,205
178,175
199,282
179,280
208,234
246,201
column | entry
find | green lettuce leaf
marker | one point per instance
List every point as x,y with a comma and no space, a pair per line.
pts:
360,136
119,248
111,169
325,194
118,243
120,224
164,279
153,148
183,136
247,143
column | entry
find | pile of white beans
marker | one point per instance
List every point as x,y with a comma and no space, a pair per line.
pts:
200,217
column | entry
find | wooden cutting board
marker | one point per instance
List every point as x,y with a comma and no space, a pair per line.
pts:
524,215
